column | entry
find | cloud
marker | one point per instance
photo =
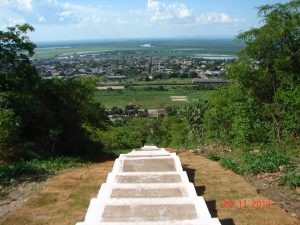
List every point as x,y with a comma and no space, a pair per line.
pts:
80,14
135,12
92,18
121,21
13,22
42,19
65,14
161,11
20,4
154,5
181,14
215,17
52,2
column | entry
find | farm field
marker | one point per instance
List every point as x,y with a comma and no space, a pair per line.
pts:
133,82
170,81
147,98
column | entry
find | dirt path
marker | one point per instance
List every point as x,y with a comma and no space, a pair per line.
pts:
65,197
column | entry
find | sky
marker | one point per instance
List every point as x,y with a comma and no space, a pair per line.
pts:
58,20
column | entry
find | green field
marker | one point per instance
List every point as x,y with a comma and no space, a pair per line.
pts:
149,99
170,81
135,83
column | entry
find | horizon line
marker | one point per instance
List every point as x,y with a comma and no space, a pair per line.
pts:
137,39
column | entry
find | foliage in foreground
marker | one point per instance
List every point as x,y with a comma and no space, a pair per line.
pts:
42,118
34,168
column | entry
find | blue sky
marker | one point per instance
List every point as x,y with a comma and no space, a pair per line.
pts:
125,19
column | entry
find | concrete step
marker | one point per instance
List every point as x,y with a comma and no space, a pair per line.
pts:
147,164
146,209
149,153
151,148
148,177
146,190
212,221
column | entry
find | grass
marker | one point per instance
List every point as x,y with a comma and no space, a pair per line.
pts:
291,179
215,156
34,167
118,151
255,163
149,98
266,161
170,81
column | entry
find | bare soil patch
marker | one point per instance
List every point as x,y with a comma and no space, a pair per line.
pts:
179,98
285,197
14,196
111,87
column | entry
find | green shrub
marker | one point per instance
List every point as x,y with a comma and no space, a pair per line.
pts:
232,163
291,179
215,156
265,161
34,167
249,162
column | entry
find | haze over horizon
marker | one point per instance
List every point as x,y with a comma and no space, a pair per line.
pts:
62,20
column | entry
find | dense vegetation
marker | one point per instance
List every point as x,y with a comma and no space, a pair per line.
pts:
40,117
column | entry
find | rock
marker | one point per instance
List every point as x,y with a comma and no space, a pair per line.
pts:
293,214
281,168
255,151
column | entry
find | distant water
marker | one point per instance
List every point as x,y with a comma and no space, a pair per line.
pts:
49,48
215,56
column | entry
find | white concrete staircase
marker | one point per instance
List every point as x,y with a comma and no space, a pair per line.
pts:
147,187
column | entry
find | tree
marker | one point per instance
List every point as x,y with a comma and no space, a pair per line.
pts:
193,115
48,116
18,77
68,111
268,67
16,71
9,126
272,55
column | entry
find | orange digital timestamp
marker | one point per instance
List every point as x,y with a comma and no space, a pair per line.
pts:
246,203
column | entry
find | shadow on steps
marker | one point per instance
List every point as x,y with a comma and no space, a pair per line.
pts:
211,204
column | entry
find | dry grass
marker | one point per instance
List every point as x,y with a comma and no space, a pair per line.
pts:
217,184
65,197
